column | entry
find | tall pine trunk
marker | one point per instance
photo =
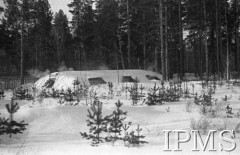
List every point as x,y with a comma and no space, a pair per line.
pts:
84,54
205,38
119,37
79,62
22,56
217,37
161,38
166,40
121,53
180,40
227,59
116,55
156,59
200,56
129,36
144,45
237,37
220,44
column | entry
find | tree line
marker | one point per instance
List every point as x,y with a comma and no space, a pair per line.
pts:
171,37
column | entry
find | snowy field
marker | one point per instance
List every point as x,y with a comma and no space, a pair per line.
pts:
54,129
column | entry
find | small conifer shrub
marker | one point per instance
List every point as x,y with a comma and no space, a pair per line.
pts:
111,125
153,98
135,139
116,123
68,96
10,126
3,125
134,92
96,123
110,89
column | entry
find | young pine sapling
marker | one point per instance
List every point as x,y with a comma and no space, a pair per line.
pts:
153,97
168,109
14,127
69,95
135,139
125,89
141,91
76,84
126,135
85,89
3,125
134,94
110,90
116,122
96,122
193,89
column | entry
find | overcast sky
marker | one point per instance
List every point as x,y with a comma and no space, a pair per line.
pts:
56,5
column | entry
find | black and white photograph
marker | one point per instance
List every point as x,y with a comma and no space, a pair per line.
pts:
119,77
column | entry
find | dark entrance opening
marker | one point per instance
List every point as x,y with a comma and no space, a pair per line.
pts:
49,83
150,77
96,81
127,79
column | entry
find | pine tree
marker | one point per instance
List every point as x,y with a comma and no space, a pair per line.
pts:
96,122
41,34
166,39
161,38
153,96
128,34
237,35
3,125
61,34
135,139
181,48
68,96
116,122
125,128
227,46
134,92
14,127
83,29
110,91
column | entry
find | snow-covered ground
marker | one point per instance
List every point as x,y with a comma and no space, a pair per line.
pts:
55,129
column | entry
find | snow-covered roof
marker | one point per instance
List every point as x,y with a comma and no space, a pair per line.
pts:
64,80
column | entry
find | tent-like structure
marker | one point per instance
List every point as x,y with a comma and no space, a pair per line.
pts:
65,80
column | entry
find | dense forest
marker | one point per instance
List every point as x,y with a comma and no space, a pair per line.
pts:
171,37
